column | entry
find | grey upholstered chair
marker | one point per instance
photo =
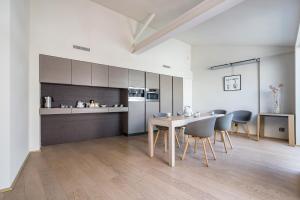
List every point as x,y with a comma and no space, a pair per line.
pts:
242,117
201,130
219,111
223,125
165,131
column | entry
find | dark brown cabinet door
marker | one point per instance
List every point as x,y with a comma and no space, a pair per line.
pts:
99,75
136,78
55,70
81,73
117,77
177,95
166,94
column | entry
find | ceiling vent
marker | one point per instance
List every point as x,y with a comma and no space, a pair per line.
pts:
81,48
166,66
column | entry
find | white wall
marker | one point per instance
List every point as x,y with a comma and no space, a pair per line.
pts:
4,100
297,90
208,91
274,70
58,24
14,16
19,93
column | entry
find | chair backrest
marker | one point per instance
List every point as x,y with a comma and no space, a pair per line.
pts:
242,115
160,114
224,123
180,114
219,111
202,128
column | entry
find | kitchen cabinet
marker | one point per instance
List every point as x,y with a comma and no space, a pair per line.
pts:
81,73
177,95
152,80
151,108
136,78
166,94
136,117
55,70
117,77
99,75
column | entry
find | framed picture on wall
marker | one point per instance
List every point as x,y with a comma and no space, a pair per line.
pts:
232,83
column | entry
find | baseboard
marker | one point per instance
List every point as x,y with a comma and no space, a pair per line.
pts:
17,177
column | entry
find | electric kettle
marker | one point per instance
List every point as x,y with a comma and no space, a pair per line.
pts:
188,111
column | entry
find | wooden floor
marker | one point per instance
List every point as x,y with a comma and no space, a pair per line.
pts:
119,168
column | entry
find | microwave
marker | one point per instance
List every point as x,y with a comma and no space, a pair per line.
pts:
152,94
136,94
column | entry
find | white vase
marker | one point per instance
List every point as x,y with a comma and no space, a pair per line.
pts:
276,102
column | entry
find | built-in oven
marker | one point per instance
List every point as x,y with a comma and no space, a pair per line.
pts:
136,94
152,94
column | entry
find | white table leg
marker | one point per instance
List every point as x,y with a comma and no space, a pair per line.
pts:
150,139
172,146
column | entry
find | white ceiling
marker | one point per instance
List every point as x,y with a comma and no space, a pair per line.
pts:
253,22
165,10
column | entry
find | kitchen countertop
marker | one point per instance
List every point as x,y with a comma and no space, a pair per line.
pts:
60,111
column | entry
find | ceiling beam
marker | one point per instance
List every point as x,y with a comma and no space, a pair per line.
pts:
145,25
200,13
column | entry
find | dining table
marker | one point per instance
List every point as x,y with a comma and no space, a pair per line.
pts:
172,122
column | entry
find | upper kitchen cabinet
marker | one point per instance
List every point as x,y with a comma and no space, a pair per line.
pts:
81,73
177,95
99,75
152,80
55,70
136,79
117,77
166,94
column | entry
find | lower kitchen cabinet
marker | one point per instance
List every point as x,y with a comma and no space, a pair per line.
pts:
177,95
166,94
151,108
136,117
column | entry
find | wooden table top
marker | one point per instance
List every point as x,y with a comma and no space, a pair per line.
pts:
179,120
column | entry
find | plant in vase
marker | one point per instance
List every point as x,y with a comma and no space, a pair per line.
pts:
276,97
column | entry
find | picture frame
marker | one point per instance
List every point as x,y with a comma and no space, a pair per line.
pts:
232,83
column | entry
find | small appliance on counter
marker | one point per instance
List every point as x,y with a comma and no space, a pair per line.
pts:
47,101
152,94
188,112
80,104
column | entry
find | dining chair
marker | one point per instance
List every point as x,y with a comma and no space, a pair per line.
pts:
219,111
201,130
165,131
242,117
222,126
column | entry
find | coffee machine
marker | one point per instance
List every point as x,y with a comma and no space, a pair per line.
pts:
47,101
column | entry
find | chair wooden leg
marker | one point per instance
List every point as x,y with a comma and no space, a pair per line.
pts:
182,130
247,130
223,139
166,141
185,148
237,128
215,137
156,137
211,148
195,146
229,139
177,140
204,150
